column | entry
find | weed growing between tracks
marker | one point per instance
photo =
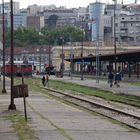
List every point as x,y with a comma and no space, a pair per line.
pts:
34,83
21,127
128,99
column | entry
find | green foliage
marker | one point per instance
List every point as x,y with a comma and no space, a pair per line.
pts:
21,127
50,34
58,35
23,37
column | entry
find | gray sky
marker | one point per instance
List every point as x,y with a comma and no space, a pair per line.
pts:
67,3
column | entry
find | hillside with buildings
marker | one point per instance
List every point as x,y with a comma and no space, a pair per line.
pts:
104,25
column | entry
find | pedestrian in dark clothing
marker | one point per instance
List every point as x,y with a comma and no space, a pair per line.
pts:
117,79
111,78
43,81
47,79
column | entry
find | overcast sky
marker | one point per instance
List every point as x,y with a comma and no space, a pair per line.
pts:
67,3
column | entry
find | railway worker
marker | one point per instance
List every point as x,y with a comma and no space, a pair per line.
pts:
111,78
43,81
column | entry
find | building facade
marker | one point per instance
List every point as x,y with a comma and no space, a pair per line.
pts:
36,22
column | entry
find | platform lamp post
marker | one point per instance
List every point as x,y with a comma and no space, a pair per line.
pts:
82,60
3,40
115,58
12,105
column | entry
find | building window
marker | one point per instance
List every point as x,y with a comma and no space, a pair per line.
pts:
116,24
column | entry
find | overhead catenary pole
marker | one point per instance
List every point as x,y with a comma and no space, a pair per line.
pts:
62,57
3,40
115,58
12,105
71,60
40,61
49,59
82,60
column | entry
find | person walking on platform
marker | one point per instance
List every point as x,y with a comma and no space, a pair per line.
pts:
47,79
111,78
117,79
43,81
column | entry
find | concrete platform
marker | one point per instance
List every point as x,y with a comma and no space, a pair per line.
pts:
54,120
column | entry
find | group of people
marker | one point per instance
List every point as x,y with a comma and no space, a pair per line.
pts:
45,80
116,78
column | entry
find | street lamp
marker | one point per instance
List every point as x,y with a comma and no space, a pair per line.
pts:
12,105
3,39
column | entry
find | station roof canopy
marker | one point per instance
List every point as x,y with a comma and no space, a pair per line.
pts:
128,56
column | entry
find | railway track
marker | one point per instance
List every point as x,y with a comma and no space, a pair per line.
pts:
125,114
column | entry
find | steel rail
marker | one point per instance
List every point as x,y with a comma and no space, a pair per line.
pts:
136,117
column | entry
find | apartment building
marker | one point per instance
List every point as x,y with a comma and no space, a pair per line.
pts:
128,27
126,23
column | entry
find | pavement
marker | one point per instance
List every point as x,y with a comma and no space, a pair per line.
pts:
54,120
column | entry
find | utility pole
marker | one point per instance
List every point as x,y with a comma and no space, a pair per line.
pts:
97,61
3,40
49,59
62,59
115,58
71,60
12,105
40,59
82,60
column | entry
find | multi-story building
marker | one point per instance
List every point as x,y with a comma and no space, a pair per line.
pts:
19,20
7,7
36,22
128,27
109,22
64,16
96,11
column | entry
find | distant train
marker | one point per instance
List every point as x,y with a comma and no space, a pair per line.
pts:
18,69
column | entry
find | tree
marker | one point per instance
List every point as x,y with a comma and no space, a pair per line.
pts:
67,32
23,37
50,35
